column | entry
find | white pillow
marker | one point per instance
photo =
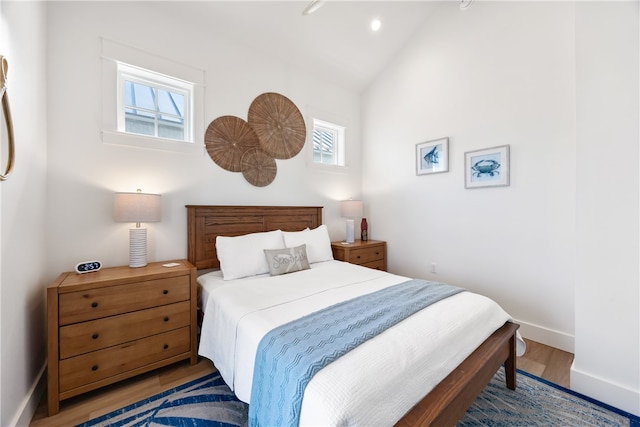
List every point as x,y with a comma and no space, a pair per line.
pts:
293,234
317,241
243,256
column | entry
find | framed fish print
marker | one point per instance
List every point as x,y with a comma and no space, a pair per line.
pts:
432,156
487,168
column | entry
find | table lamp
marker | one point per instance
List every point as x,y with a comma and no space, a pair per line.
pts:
137,207
350,209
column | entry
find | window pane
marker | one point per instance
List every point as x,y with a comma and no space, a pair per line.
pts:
139,123
140,116
324,146
139,95
170,102
171,129
128,93
154,105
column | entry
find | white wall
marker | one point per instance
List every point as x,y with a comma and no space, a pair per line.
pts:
22,212
607,292
505,73
497,73
84,172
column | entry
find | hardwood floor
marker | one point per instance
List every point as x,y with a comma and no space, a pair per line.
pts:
540,360
546,362
99,402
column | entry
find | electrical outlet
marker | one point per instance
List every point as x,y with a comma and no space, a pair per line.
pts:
433,268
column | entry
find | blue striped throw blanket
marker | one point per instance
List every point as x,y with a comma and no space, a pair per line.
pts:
291,354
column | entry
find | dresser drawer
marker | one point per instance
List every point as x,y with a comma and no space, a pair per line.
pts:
366,254
101,302
91,367
94,335
377,264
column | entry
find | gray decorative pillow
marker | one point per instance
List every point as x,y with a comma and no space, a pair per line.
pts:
287,260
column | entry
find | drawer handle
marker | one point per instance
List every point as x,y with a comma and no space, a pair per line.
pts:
94,304
166,346
358,257
95,336
165,292
94,368
166,319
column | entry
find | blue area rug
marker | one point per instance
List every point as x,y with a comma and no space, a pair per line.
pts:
208,401
536,402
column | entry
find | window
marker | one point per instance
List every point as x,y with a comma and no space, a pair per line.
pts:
328,143
153,104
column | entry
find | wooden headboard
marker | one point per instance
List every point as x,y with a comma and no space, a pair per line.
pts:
205,223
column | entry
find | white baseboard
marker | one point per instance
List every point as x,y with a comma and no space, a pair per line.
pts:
582,382
605,391
27,409
556,339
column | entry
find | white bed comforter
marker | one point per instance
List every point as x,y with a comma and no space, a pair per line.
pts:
374,384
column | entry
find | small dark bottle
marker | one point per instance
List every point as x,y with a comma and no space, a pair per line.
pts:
364,230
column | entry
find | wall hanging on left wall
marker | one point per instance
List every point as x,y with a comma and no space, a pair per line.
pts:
4,69
275,130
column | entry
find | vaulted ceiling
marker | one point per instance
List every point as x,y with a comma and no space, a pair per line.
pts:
335,41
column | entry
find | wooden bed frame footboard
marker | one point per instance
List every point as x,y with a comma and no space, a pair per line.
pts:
450,399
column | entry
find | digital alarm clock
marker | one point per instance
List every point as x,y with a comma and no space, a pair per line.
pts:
88,266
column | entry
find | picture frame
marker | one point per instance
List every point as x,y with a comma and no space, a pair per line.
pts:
432,156
488,167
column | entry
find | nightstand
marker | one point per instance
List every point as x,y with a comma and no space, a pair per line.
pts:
118,322
368,253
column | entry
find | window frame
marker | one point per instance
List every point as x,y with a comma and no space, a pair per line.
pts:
127,72
340,132
114,53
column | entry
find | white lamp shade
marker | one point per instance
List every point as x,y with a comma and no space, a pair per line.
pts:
136,207
351,208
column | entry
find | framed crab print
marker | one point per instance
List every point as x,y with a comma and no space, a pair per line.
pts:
487,168
432,156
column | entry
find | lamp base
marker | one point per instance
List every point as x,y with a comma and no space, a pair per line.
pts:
350,232
137,247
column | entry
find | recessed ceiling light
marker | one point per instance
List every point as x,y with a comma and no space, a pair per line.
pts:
375,25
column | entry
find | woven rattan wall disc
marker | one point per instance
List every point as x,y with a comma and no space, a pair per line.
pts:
258,167
278,124
227,139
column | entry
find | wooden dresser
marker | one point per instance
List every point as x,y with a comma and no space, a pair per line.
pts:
368,253
118,322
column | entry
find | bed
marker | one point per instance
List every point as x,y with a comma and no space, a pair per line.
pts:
435,393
